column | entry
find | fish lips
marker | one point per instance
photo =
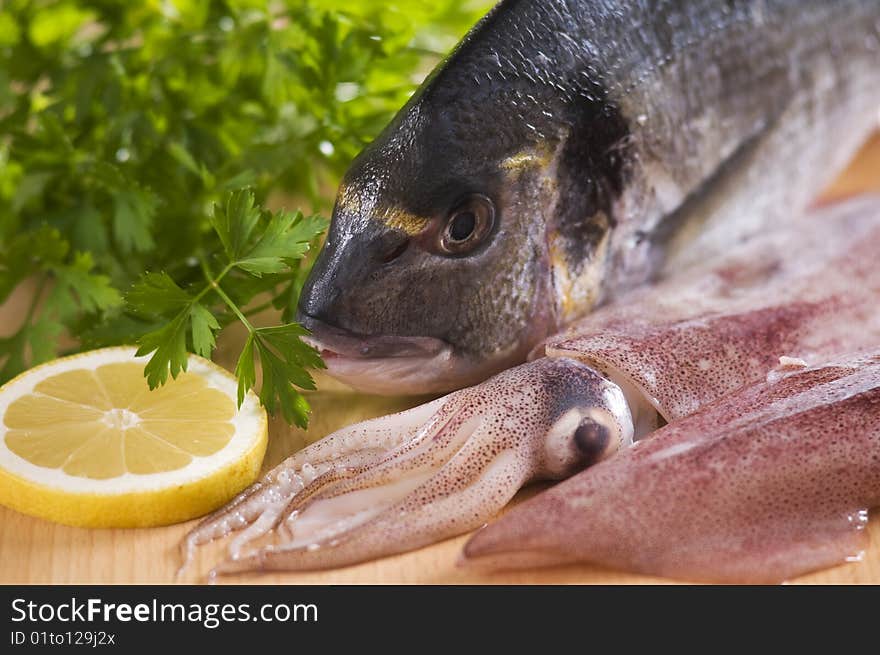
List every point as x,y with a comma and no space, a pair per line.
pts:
383,364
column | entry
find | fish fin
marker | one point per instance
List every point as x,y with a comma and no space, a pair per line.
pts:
689,219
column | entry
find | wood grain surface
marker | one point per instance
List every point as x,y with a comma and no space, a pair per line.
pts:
34,551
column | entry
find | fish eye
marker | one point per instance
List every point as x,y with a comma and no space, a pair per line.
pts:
469,222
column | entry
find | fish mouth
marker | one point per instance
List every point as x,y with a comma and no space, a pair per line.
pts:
385,364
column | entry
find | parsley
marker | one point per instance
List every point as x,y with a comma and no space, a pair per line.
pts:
140,142
257,246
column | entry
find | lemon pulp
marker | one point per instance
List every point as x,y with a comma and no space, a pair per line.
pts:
106,422
86,442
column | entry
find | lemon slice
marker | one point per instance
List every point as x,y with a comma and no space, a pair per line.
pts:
84,441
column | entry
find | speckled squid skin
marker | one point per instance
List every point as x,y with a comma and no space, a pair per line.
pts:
400,482
767,483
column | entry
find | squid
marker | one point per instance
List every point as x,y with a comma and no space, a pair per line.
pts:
762,367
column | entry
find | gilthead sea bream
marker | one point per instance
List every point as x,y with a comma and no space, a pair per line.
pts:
620,191
562,154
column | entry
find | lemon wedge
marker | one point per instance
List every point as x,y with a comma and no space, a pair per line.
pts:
84,441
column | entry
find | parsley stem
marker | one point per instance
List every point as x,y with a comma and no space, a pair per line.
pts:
234,308
214,285
213,282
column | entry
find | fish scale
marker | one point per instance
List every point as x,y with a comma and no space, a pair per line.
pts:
731,124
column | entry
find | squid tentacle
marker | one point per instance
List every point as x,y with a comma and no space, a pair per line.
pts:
259,508
469,454
458,493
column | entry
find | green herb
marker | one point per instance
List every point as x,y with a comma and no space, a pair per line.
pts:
260,250
139,141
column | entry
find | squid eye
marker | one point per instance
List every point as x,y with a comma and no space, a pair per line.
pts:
468,225
591,439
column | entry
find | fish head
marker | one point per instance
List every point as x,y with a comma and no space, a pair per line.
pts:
435,272
471,228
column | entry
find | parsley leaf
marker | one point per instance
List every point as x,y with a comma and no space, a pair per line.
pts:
235,221
287,237
157,293
40,337
203,326
78,288
133,212
286,358
244,369
261,246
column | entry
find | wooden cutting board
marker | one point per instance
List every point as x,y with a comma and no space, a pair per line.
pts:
33,551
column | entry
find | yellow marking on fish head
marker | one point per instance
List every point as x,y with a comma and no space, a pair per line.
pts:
536,157
577,289
351,202
400,219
